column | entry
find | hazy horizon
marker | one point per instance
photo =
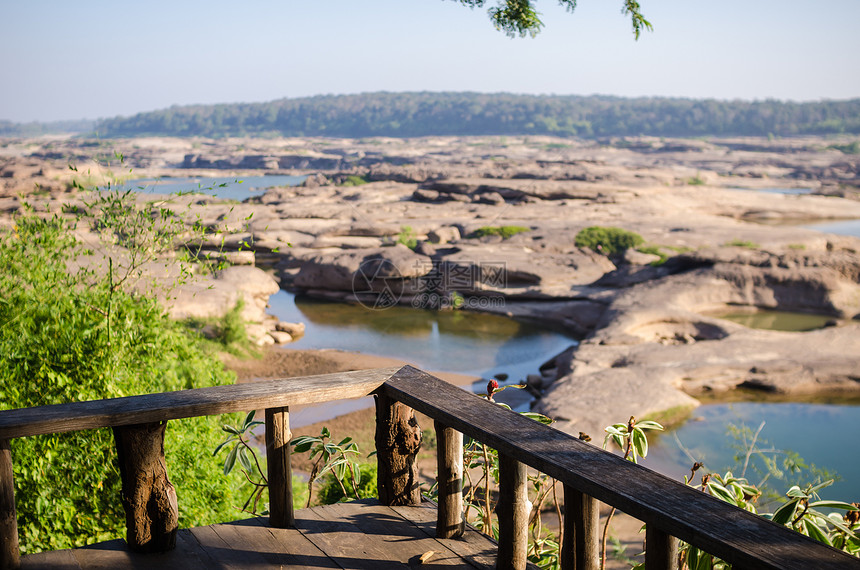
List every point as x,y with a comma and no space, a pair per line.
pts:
95,59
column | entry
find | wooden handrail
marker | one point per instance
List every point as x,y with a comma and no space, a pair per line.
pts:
671,510
211,401
667,506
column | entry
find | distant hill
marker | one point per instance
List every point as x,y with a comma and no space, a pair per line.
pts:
426,113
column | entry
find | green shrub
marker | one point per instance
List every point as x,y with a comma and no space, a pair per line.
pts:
331,492
353,180
407,237
607,240
742,243
696,180
504,231
70,337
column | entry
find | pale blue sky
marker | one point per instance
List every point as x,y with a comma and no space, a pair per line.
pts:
90,59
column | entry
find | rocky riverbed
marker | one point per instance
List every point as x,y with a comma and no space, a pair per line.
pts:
715,235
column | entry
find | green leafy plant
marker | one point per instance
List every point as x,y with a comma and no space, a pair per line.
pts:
630,438
237,443
607,240
504,232
407,237
353,180
69,335
339,459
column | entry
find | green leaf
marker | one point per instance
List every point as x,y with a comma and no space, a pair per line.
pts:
231,460
720,492
230,429
815,532
344,441
648,424
249,418
640,442
221,446
834,505
245,461
325,432
785,512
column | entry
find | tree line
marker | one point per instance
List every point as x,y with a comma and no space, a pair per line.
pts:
448,113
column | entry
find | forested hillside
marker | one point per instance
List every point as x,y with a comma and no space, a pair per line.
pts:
421,114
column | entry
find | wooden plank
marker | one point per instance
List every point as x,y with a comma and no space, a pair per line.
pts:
226,548
114,554
346,543
283,547
474,547
279,470
148,408
53,560
9,554
733,534
451,520
513,512
403,542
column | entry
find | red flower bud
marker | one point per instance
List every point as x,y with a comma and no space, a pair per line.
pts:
492,386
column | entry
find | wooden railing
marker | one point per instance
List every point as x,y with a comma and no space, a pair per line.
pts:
589,475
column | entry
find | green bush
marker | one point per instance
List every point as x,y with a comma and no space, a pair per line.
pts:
607,240
407,237
353,180
331,492
504,231
70,337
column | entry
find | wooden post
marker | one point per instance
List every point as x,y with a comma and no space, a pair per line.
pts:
9,555
513,513
148,497
581,546
450,519
661,549
398,438
280,473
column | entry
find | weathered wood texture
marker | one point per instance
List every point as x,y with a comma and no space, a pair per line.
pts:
280,474
581,546
449,465
148,497
728,532
9,556
513,513
190,403
398,438
661,550
360,534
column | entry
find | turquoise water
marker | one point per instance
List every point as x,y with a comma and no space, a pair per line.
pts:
229,188
823,433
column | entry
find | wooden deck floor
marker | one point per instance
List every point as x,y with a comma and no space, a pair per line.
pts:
361,535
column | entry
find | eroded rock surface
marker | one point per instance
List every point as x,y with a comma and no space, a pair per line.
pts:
443,218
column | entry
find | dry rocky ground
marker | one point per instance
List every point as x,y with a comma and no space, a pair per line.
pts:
648,340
